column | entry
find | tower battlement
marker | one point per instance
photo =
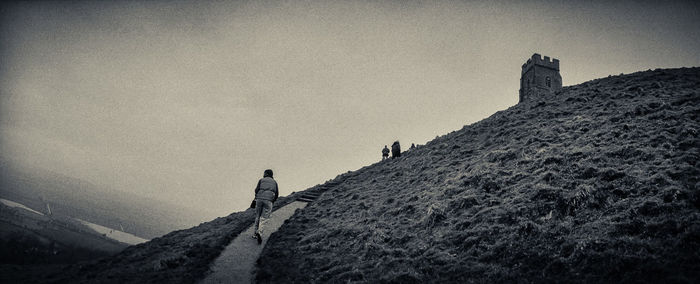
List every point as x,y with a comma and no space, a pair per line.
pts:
536,59
539,75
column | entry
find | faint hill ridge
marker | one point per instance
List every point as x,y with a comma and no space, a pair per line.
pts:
77,198
594,183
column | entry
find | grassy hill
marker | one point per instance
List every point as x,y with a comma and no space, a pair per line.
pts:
596,183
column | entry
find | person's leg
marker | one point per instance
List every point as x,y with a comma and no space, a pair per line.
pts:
258,212
265,215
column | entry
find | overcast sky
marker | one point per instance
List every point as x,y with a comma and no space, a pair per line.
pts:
189,102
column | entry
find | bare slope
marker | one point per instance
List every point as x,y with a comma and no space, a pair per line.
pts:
598,182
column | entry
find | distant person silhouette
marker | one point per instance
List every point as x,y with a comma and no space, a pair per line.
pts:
265,194
395,150
385,153
413,146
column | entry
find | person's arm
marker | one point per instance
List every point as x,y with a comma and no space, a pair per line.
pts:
277,192
257,188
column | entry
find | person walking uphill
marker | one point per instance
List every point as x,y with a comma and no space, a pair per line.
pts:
266,193
385,153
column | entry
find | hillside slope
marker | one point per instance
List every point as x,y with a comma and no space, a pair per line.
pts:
598,182
181,256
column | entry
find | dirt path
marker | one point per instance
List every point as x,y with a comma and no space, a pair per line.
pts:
236,262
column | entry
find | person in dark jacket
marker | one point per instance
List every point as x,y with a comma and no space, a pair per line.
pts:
385,153
395,150
266,193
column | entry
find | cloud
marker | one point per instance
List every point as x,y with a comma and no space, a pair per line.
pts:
190,102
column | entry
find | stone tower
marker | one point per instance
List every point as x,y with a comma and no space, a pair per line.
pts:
539,76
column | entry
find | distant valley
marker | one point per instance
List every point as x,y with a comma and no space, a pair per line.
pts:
75,198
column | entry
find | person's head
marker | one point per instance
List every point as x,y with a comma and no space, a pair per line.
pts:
268,173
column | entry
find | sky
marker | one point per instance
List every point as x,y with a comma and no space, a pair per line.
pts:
189,102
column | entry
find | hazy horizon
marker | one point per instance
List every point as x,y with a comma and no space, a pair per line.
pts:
188,102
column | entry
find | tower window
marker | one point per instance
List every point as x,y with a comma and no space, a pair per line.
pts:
548,81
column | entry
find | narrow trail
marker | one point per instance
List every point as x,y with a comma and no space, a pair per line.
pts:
237,260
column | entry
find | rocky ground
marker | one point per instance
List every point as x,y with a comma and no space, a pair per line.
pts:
596,183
